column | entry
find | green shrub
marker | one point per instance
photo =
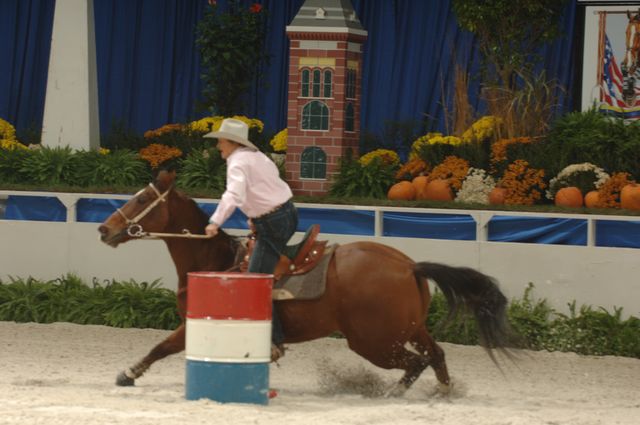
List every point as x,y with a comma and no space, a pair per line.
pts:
590,136
68,299
121,167
203,169
367,181
11,164
49,165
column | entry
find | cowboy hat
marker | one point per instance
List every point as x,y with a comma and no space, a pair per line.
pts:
235,130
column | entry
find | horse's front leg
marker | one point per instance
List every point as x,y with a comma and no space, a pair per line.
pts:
174,343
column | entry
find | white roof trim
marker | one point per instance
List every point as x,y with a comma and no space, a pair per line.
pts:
326,29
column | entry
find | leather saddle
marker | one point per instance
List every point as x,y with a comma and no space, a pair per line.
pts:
297,259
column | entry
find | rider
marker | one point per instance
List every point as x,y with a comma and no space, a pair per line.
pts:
254,185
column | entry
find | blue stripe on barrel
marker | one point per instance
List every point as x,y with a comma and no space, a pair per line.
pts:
228,338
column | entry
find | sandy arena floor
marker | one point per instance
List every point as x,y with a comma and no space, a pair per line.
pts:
64,374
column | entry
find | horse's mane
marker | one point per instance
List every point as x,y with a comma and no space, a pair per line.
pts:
191,211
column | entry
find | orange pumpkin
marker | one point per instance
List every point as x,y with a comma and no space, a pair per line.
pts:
420,183
402,191
438,190
630,197
569,197
497,196
591,199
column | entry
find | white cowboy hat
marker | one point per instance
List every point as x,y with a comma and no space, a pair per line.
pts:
235,130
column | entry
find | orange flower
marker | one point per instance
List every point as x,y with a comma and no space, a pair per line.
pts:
499,148
609,192
167,128
155,154
411,169
453,169
255,8
524,185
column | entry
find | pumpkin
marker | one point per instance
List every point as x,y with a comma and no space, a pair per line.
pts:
438,190
630,197
569,197
591,199
402,191
420,183
497,196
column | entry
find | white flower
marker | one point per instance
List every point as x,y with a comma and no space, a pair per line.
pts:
476,187
571,171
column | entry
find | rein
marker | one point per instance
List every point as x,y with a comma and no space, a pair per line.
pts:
135,230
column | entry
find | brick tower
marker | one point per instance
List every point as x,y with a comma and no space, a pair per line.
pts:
325,66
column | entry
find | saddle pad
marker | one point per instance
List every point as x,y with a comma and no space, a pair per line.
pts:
306,286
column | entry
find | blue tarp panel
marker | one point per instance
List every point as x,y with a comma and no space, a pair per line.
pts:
461,227
96,210
562,231
619,234
344,222
36,208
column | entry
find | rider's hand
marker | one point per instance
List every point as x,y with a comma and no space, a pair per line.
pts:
211,229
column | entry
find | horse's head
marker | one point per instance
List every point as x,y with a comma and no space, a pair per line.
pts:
146,211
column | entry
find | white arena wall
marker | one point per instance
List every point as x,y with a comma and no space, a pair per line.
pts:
591,275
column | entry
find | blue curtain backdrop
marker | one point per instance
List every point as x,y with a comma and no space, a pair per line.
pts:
149,67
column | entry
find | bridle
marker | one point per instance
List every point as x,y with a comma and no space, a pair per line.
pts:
135,230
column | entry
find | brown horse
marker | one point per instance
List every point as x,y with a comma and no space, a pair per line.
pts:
376,296
632,54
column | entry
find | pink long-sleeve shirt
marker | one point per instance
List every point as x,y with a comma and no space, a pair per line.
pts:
253,185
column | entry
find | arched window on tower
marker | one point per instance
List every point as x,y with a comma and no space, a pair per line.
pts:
315,116
349,117
313,163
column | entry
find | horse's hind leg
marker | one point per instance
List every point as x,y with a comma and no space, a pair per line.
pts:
423,352
174,343
424,343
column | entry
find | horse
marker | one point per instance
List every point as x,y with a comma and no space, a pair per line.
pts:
632,37
629,66
376,296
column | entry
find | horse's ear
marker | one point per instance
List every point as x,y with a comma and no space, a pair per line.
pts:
164,180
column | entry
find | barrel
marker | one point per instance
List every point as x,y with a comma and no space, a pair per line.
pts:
228,337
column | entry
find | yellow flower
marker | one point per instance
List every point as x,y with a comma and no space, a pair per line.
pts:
104,151
482,129
8,136
419,142
387,156
251,122
279,141
206,124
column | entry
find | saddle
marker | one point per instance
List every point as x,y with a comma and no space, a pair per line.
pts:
297,259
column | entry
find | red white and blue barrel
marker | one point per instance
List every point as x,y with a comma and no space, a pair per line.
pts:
228,340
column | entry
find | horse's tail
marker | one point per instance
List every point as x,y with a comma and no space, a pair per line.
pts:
468,289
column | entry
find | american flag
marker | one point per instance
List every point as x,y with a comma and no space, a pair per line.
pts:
613,102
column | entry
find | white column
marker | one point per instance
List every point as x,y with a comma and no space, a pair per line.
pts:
71,105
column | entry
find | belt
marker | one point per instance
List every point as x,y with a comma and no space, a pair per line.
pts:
271,211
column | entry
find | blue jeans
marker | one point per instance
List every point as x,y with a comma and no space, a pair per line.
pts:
273,231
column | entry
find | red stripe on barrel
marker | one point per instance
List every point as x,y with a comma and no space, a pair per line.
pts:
237,296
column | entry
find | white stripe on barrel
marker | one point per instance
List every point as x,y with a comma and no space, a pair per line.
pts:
228,338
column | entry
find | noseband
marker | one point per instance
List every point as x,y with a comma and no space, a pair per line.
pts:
133,228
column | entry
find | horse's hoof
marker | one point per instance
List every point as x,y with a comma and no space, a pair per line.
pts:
124,381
